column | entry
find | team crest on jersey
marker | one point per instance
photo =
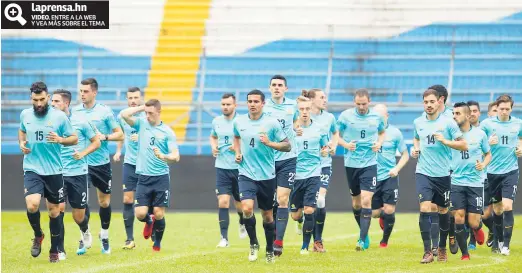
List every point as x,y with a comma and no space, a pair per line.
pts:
49,124
160,136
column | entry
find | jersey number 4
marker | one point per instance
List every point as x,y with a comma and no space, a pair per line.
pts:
252,142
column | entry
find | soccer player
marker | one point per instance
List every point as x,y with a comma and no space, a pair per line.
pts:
328,126
387,192
311,144
468,177
221,138
74,171
43,131
361,133
107,129
503,170
487,216
434,137
283,109
158,148
130,178
434,215
256,139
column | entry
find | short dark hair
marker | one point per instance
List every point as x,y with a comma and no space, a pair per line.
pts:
473,103
431,92
362,92
491,104
133,89
505,98
257,92
65,94
278,77
463,105
441,89
154,102
228,95
38,87
92,82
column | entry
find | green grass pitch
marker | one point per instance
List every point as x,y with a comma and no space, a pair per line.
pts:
189,245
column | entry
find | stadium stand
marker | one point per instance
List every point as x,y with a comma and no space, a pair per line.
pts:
200,49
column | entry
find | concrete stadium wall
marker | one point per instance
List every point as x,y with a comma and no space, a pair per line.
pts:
193,186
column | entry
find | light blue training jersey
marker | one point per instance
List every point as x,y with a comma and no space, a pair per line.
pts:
503,154
223,129
464,171
84,130
284,113
386,160
309,145
131,147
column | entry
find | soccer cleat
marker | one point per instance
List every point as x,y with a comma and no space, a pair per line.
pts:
87,238
105,248
270,257
495,249
242,232
434,252
129,244
490,239
319,247
36,249
465,257
278,248
304,251
505,251
299,228
383,245
472,247
479,236
252,255
223,243
381,223
443,256
367,242
156,248
359,246
61,256
427,258
54,257
81,248
147,229
454,246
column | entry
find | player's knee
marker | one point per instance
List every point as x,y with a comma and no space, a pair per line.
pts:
296,215
321,201
443,210
498,208
309,210
248,211
282,200
54,211
268,216
32,207
459,217
159,213
389,209
223,203
104,203
434,207
127,199
507,206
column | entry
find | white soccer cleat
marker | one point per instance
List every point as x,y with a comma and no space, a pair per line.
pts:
242,232
304,251
299,228
61,256
87,239
223,243
505,251
254,250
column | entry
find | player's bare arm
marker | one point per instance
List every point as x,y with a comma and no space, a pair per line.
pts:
457,144
172,157
405,157
53,137
283,146
22,141
128,114
416,148
93,146
117,155
482,165
214,145
377,145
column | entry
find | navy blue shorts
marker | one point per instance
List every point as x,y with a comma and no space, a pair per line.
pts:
305,193
285,172
467,198
75,191
387,193
433,189
264,190
153,191
130,178
361,179
326,174
48,186
488,198
101,177
503,186
227,182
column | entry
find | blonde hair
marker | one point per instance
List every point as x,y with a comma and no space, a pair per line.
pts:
310,93
302,99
